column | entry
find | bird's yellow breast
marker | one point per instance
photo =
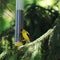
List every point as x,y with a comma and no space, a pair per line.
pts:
25,35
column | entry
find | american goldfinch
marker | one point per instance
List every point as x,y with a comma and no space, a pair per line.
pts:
25,38
25,35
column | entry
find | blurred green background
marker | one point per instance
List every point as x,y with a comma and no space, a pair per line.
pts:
40,15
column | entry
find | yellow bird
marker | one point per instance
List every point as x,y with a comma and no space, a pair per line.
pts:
25,35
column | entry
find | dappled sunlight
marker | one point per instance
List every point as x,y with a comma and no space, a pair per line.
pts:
35,48
56,8
45,3
8,16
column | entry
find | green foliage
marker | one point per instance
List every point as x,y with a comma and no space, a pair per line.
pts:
2,24
6,14
38,20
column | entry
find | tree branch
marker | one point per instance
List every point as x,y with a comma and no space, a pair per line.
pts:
33,49
43,37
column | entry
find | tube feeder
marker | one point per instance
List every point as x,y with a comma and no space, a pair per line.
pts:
19,21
